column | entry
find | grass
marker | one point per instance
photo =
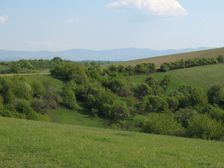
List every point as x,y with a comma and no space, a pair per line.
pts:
176,57
203,77
27,144
65,116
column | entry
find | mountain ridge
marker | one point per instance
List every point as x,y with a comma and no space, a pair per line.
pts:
120,54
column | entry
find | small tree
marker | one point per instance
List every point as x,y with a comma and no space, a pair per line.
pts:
154,104
215,95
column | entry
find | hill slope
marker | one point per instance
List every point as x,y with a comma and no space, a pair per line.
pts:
176,57
37,144
202,76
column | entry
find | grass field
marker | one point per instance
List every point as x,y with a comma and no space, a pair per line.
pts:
65,116
176,57
37,144
203,76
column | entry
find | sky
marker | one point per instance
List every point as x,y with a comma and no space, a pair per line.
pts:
107,24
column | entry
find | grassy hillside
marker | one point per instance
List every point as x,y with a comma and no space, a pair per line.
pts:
203,76
176,57
37,144
65,116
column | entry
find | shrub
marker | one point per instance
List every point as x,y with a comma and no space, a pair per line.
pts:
164,67
215,95
23,107
143,90
183,116
201,126
119,111
69,71
220,59
69,98
217,113
154,104
162,124
39,105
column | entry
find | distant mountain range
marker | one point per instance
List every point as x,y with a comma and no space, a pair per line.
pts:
124,54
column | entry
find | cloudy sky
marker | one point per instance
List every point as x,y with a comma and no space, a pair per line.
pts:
107,24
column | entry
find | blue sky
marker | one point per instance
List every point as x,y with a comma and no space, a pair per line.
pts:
107,24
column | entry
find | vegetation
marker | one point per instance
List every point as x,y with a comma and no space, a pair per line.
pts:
211,53
190,63
40,144
109,94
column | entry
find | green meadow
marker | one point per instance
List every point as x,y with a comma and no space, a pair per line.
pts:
42,144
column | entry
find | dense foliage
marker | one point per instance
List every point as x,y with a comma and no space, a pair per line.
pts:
106,92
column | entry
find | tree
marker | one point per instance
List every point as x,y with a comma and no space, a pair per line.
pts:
164,67
69,98
23,107
184,115
119,111
141,69
130,70
220,59
21,89
215,95
154,104
164,83
38,89
143,90
69,71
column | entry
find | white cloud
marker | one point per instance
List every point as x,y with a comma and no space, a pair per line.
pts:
156,7
3,19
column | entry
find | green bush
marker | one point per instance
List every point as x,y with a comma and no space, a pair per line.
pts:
184,115
202,126
162,124
154,104
23,107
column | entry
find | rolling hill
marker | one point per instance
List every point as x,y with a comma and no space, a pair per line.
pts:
202,76
41,144
176,57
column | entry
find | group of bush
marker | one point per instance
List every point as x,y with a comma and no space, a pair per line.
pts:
186,111
190,63
107,93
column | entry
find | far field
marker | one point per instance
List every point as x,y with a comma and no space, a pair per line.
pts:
203,76
38,144
176,57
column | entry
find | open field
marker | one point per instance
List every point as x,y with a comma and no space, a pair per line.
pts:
37,144
65,116
176,57
203,76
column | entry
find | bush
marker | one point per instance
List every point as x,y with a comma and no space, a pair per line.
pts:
69,98
23,107
119,111
217,113
215,95
69,71
154,104
164,67
201,126
143,90
162,124
184,115
39,105
220,59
